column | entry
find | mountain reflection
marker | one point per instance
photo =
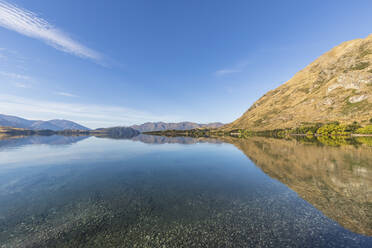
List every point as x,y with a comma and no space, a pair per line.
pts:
153,139
7,142
335,180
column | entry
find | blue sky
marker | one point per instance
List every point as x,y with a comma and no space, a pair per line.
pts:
108,63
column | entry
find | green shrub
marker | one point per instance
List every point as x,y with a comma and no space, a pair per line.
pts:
306,128
353,127
333,140
365,130
309,133
332,129
365,140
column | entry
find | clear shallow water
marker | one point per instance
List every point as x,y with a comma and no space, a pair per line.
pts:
180,192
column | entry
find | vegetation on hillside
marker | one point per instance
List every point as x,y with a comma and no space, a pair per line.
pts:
365,130
332,134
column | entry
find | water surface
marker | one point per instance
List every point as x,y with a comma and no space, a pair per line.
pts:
154,191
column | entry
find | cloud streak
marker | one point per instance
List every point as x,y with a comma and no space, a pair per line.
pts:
66,94
22,85
226,71
14,75
239,67
90,115
29,24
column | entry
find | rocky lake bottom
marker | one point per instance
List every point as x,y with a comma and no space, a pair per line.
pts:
148,191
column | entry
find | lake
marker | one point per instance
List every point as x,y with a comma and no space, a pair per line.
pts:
152,191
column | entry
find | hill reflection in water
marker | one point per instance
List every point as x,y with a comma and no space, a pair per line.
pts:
335,180
7,142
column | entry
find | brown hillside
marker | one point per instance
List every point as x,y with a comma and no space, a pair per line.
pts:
335,87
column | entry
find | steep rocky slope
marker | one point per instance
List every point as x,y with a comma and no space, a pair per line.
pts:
335,87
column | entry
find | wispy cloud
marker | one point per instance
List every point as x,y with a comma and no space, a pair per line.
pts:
28,23
14,75
2,55
90,115
10,56
239,67
226,71
22,85
65,94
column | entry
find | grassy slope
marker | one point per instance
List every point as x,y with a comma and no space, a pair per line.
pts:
326,90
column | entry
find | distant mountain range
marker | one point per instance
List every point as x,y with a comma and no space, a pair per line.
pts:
55,125
60,125
161,126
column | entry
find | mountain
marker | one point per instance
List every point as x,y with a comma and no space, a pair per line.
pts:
13,121
161,126
55,125
335,87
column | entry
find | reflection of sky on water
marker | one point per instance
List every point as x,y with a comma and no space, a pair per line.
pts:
151,190
87,150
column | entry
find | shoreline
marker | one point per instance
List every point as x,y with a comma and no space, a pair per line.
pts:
204,133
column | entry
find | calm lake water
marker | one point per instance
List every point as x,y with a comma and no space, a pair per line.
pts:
154,191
